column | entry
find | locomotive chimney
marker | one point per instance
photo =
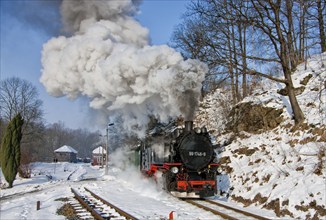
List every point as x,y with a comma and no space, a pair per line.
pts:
188,126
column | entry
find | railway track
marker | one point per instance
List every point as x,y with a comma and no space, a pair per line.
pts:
92,206
18,195
224,211
37,189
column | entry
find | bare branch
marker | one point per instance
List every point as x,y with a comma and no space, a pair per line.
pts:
256,73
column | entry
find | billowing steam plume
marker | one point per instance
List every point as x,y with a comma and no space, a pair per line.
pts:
108,59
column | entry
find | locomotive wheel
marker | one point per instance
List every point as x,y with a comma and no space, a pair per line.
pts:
172,186
165,181
169,181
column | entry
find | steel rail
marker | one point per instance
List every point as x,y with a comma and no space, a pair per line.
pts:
18,195
90,209
238,210
223,215
120,211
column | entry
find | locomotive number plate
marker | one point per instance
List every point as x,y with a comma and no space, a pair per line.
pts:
197,154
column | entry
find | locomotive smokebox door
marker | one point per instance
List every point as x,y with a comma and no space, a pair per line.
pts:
196,151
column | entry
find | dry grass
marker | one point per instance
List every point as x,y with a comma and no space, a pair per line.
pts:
68,211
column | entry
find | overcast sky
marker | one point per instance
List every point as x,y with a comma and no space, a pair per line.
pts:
27,25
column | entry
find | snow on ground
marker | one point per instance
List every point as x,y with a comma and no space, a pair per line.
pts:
127,189
283,169
268,170
50,181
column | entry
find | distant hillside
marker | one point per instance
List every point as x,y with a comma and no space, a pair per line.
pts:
272,163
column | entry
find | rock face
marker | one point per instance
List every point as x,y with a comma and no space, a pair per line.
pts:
253,118
297,91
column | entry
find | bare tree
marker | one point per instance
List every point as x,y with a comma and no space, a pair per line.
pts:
195,42
224,42
20,96
57,135
274,19
241,37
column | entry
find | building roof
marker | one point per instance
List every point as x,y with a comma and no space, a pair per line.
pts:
66,149
99,150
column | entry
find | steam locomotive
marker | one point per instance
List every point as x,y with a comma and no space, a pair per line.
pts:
185,157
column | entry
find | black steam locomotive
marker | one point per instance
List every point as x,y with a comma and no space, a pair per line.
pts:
185,156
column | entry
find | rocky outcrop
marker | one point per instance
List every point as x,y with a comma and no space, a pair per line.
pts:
297,91
253,118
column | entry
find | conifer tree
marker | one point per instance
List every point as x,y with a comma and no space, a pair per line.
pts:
10,149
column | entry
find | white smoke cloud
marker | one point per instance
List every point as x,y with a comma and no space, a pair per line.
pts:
110,62
74,13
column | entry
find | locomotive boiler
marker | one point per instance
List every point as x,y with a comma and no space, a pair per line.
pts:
185,157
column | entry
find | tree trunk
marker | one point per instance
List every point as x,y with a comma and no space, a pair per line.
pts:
292,52
230,65
302,30
235,60
297,112
243,45
231,74
285,59
321,26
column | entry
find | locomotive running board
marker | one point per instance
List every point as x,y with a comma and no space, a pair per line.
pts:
184,194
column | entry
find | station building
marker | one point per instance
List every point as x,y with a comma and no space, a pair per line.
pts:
98,156
65,154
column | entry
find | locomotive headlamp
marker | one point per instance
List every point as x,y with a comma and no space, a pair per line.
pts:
197,130
219,170
203,130
174,170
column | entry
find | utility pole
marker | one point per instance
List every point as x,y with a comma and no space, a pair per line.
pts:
102,158
107,150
